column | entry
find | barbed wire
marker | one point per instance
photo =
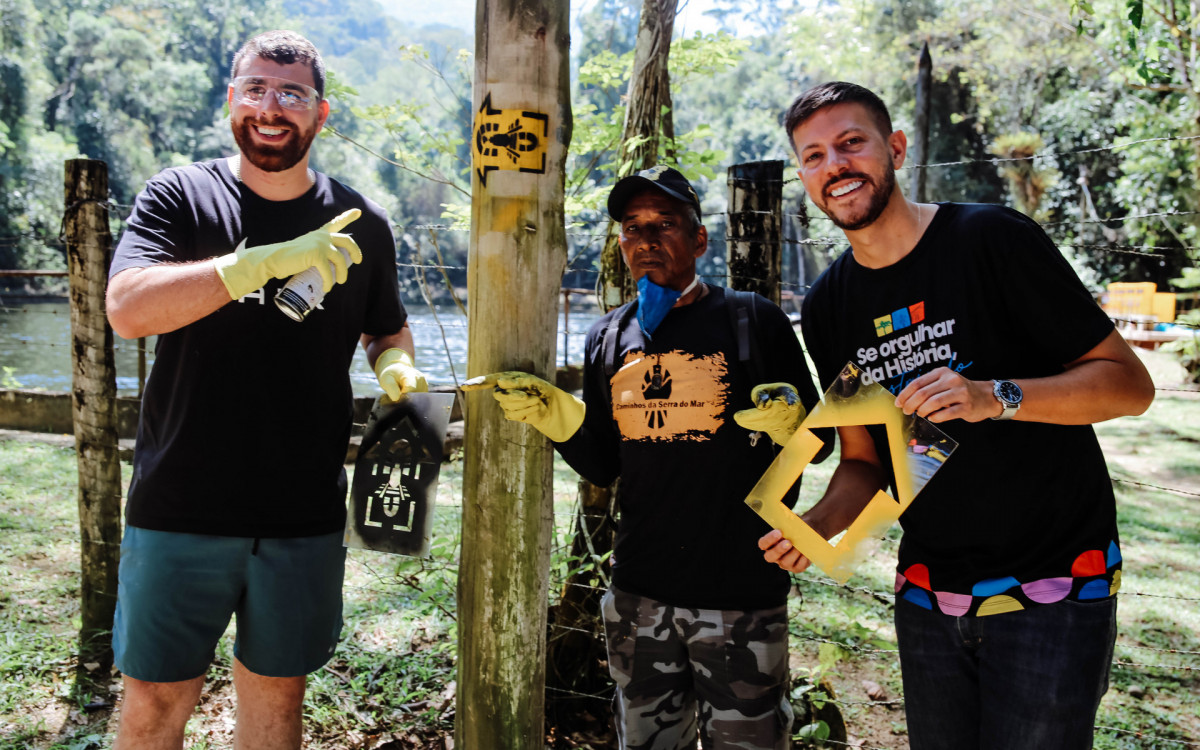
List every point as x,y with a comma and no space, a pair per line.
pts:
1156,487
992,160
875,652
855,746
1179,667
1160,650
1049,154
1162,596
1144,736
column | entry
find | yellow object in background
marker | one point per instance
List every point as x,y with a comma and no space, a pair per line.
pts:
1140,299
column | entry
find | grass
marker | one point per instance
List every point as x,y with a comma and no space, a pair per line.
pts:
391,683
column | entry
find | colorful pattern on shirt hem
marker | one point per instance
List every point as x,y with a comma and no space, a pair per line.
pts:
1095,574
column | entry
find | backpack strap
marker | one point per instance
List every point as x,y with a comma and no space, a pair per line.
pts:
610,345
612,334
743,316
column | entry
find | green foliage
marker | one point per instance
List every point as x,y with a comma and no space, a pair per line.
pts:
1027,178
814,734
137,84
1188,348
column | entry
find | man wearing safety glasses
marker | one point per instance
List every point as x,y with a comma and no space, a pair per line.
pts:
237,502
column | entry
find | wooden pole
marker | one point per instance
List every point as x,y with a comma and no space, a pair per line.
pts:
514,273
755,243
94,409
920,141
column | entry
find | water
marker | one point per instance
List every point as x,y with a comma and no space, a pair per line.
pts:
35,349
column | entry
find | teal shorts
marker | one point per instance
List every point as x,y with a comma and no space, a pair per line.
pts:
176,593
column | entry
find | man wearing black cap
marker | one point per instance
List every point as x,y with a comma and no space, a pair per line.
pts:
695,619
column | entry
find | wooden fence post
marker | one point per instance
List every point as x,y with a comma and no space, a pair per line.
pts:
920,141
755,241
94,409
514,274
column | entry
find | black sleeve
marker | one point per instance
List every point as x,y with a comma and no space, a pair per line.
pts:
815,340
151,235
787,364
1049,299
385,313
594,450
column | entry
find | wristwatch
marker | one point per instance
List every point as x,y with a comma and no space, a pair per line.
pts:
1009,395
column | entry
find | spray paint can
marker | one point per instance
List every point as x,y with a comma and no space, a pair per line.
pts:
304,291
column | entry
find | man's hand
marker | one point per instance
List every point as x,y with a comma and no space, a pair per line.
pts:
778,411
942,395
780,551
246,269
529,399
398,375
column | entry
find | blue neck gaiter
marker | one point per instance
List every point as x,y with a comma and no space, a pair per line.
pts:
654,302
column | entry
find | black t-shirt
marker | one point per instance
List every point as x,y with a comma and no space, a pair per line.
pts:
1023,512
247,413
686,536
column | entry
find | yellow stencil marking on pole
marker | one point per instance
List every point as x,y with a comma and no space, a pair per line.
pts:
917,449
508,139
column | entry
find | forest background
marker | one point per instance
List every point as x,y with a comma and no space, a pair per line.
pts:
1098,102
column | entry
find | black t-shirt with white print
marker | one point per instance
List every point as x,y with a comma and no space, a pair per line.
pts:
247,413
1023,512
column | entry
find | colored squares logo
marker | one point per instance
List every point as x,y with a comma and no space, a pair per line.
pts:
900,319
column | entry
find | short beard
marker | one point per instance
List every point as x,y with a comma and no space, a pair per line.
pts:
272,159
879,201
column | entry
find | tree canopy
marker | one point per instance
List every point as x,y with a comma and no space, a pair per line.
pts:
1082,114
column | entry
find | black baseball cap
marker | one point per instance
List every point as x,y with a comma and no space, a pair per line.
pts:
666,180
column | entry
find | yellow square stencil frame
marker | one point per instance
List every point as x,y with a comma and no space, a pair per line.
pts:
848,402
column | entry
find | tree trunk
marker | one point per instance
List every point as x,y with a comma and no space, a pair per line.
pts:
645,126
518,253
920,143
94,408
575,653
756,227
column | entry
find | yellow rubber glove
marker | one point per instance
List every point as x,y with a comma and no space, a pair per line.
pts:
246,269
397,375
529,399
778,411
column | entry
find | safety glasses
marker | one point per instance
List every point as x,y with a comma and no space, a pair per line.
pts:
252,90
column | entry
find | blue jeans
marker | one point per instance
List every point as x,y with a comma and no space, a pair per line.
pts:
1031,679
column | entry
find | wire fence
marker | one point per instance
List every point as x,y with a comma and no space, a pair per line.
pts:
584,242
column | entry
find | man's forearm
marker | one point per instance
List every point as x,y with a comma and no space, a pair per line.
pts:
376,345
1108,381
1089,391
852,486
162,298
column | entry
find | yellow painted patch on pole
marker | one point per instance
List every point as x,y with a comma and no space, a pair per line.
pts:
508,139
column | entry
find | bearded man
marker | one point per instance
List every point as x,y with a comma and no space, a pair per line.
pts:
1010,561
237,502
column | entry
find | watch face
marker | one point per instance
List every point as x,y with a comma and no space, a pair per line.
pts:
1009,392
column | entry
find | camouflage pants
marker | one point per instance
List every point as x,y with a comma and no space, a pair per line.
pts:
722,673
